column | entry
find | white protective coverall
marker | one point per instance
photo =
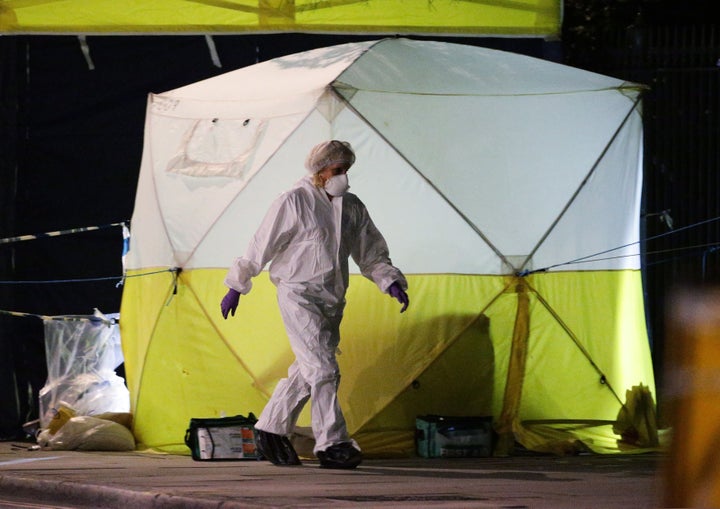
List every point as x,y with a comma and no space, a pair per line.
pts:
307,238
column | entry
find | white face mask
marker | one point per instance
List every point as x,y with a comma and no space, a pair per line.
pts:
337,185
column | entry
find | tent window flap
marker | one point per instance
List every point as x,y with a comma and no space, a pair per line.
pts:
217,148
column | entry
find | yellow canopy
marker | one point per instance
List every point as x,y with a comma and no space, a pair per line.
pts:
536,18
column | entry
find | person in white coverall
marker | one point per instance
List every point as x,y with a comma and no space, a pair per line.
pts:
307,236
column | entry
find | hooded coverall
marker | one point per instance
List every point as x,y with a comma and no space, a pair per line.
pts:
307,238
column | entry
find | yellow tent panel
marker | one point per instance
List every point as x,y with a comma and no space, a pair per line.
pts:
455,357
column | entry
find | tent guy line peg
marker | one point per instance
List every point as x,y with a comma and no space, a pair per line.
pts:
526,272
176,272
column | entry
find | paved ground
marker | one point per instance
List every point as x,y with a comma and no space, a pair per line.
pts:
44,478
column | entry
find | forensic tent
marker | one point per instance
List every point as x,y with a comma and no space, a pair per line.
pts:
508,189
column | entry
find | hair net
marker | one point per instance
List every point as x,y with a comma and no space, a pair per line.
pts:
330,152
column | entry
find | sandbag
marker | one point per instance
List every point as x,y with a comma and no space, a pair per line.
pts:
86,433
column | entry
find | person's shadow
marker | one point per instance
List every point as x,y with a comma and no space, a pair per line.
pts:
458,381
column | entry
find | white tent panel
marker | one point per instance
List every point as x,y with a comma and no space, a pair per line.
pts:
376,177
511,191
244,212
429,67
193,196
287,105
149,244
276,80
597,222
425,233
507,211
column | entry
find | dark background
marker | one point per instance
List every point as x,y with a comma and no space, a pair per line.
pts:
71,141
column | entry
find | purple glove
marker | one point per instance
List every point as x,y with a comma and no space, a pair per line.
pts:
398,293
230,303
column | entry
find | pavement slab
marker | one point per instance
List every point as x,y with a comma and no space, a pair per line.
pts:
102,479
